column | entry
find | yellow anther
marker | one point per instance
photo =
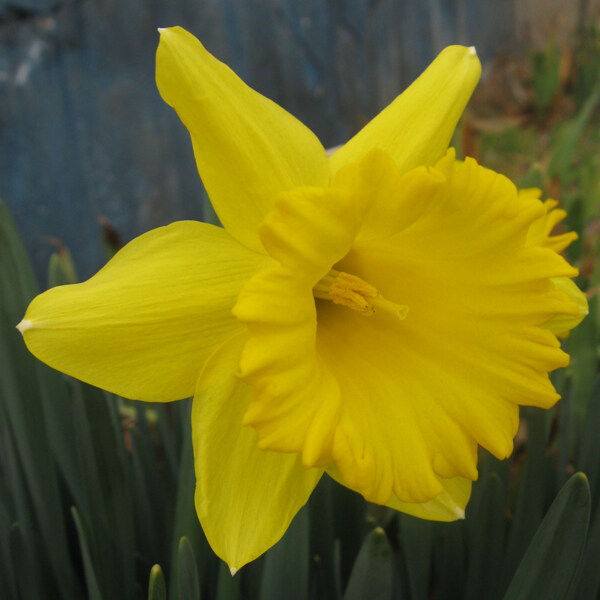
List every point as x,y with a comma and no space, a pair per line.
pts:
355,293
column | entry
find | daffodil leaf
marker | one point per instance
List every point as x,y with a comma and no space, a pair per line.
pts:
531,496
486,525
374,570
7,572
187,572
147,483
416,543
228,586
91,580
61,270
582,344
28,580
589,449
348,507
568,142
186,521
322,537
286,565
589,580
24,392
451,561
551,561
567,427
104,488
157,589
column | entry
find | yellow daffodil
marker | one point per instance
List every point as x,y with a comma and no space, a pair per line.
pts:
376,315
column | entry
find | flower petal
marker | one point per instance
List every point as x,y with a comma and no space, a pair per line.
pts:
541,229
561,324
296,404
248,149
416,128
143,326
245,497
448,506
420,393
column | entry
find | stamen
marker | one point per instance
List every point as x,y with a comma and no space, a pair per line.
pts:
355,293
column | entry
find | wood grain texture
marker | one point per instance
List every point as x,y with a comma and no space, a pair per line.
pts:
84,133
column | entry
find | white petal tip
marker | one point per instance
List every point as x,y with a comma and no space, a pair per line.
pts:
472,51
24,325
459,512
233,571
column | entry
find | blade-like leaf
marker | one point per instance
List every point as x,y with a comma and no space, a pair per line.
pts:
187,572
486,523
374,570
416,543
91,581
157,589
286,567
551,561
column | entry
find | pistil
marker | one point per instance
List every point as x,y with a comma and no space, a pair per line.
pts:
355,293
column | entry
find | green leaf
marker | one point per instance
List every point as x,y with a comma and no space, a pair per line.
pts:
90,576
325,576
450,561
186,520
374,570
567,143
486,533
157,589
61,270
416,543
582,346
107,509
531,497
588,585
350,526
589,449
22,401
286,566
228,586
29,584
152,518
187,571
551,561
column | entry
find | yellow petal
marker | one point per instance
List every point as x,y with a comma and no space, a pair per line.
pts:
448,506
245,497
416,128
248,149
144,325
295,405
419,394
561,324
540,230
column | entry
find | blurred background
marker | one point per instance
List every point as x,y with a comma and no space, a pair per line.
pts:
89,150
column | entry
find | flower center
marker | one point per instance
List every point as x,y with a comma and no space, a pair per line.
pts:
355,293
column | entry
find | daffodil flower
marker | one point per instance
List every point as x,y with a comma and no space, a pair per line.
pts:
376,315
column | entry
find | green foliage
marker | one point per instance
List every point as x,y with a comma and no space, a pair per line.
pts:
545,76
97,493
